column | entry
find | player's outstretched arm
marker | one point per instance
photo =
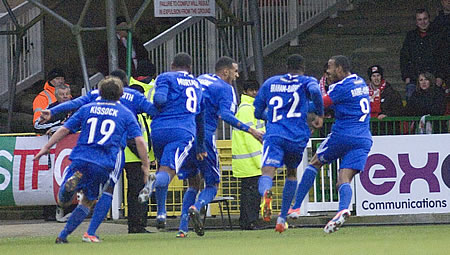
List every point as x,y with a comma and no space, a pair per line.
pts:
73,104
56,137
233,121
143,155
46,115
257,134
145,106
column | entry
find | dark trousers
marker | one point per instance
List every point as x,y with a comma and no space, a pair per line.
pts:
249,202
137,212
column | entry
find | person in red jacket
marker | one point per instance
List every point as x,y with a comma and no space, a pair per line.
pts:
384,99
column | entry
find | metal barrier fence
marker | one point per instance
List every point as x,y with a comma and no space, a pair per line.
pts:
399,126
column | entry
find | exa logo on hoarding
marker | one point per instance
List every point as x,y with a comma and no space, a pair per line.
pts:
411,173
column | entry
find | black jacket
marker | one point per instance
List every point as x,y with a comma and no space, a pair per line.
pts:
423,102
102,59
391,102
418,54
441,25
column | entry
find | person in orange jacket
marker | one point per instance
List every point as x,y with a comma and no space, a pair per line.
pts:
47,96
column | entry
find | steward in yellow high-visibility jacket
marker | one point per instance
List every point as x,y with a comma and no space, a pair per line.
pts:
143,119
246,150
137,212
246,158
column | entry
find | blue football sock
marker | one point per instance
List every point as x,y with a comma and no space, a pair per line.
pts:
100,211
75,219
161,187
188,200
305,185
288,195
345,196
264,183
64,196
206,196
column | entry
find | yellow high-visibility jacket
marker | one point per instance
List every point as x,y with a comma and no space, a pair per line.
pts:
246,150
143,121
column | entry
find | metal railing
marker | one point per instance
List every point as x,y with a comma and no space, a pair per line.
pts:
281,22
398,126
31,59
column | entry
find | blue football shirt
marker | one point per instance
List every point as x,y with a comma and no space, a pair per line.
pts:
219,100
182,96
104,126
351,107
286,98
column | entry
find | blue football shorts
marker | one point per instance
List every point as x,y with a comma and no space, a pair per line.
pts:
278,151
190,167
172,146
209,167
94,177
352,151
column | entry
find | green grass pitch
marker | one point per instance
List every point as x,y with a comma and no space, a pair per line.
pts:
422,239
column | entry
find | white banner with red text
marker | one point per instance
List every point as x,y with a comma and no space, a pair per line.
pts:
27,182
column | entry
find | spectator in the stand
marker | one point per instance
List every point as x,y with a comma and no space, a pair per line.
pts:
46,97
441,24
427,99
246,158
138,51
418,53
63,94
442,20
385,101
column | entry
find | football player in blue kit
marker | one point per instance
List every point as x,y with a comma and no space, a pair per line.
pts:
135,101
219,101
97,157
286,98
177,96
350,139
